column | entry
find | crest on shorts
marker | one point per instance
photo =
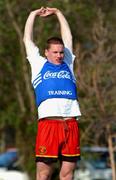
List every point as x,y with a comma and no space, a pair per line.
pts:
42,150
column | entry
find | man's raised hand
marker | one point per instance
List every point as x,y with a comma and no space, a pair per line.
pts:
48,11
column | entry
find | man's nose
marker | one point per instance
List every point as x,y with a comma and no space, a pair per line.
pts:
59,54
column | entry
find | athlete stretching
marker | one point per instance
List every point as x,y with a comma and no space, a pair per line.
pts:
56,98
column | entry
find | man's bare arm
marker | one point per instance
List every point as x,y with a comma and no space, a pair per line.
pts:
65,30
64,26
28,32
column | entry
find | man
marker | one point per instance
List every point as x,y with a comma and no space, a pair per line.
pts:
56,97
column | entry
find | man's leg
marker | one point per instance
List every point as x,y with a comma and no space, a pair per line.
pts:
67,169
43,171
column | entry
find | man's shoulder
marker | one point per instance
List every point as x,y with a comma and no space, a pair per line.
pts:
68,56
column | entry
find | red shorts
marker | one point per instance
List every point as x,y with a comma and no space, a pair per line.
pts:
57,139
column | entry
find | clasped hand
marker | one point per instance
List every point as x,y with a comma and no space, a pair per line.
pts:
44,12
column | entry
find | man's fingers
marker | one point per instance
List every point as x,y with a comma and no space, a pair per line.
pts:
44,12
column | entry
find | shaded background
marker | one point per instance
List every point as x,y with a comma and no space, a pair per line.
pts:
93,28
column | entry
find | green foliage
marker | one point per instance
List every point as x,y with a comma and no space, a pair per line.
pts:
81,16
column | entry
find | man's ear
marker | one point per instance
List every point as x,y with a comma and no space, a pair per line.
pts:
46,52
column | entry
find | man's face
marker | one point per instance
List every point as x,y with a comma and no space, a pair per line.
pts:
55,53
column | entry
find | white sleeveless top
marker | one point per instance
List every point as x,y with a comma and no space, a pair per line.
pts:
54,107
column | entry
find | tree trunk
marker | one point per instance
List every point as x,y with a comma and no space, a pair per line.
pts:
111,153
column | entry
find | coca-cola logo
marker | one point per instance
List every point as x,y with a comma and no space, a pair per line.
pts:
59,75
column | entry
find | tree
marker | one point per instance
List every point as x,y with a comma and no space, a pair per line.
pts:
95,46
